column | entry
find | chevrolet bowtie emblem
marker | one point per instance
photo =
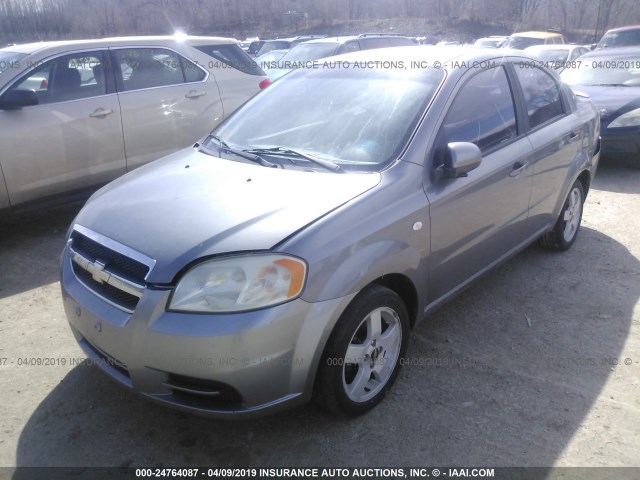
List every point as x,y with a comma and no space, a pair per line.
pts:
96,269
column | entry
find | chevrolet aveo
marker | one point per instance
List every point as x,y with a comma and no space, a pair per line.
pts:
288,255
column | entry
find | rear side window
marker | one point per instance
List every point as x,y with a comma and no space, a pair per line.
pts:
371,43
482,112
349,47
541,94
233,56
151,67
400,42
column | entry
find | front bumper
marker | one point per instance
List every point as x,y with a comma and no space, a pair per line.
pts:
239,364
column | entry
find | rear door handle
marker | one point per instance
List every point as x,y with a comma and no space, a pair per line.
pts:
518,168
101,112
195,94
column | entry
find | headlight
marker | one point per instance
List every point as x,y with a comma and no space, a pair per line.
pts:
629,119
239,283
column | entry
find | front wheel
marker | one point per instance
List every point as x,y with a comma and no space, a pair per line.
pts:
565,231
362,357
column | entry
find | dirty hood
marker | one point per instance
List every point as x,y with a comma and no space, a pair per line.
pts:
190,205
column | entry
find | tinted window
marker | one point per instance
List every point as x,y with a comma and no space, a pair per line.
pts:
70,77
482,112
621,38
371,43
399,41
349,47
233,56
149,67
541,94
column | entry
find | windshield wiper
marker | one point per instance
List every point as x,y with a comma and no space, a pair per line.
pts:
611,85
286,151
247,155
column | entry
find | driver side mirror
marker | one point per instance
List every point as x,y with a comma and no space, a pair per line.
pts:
593,46
459,159
17,98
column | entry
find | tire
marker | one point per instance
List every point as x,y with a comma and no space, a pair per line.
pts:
361,360
566,229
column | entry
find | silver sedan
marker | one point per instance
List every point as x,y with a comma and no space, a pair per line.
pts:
288,256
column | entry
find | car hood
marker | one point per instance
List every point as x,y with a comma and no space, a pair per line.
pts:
190,205
611,101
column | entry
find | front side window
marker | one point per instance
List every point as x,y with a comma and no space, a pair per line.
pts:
482,112
70,77
151,67
541,93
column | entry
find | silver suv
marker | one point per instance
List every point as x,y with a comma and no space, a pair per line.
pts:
75,115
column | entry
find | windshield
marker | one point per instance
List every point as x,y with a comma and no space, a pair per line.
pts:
623,38
10,60
306,52
356,118
605,71
521,43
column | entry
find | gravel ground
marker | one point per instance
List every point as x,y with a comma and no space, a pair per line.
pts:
537,364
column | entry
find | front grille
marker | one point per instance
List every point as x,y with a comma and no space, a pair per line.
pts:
109,292
118,263
117,278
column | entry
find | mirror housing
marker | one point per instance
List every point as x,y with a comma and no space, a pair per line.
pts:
460,158
593,46
17,98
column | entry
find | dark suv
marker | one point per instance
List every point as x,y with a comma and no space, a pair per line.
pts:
620,37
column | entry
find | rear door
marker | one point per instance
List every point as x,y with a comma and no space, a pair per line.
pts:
555,134
167,102
479,219
72,140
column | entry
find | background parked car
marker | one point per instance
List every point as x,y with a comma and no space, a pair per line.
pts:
611,78
363,199
284,43
556,56
96,109
254,47
522,40
270,59
330,46
492,41
620,37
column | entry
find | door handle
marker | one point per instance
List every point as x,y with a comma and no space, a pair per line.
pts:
101,112
518,168
573,136
195,94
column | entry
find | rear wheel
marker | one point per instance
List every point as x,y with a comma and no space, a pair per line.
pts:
565,231
362,357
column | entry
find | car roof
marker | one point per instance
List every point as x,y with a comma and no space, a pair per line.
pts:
619,52
102,42
535,34
621,29
557,46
